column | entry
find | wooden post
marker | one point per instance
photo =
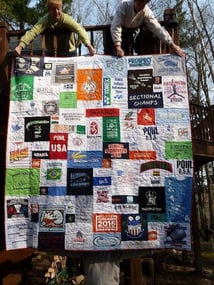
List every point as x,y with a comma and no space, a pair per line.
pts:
142,271
4,95
196,239
107,42
4,73
136,271
3,40
171,25
4,43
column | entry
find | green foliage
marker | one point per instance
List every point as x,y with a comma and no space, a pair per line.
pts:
21,14
16,12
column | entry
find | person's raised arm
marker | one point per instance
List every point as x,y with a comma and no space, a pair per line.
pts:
30,35
116,31
72,25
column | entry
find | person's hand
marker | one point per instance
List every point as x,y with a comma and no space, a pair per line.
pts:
18,51
91,49
177,49
119,51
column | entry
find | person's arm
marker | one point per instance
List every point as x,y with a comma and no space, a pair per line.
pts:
116,31
18,50
90,49
72,25
154,26
119,51
176,49
30,35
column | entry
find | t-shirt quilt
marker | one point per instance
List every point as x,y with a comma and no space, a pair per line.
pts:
99,154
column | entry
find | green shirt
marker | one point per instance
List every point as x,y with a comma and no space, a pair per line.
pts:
65,42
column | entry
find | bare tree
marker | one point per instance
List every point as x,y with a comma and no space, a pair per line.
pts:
200,52
200,62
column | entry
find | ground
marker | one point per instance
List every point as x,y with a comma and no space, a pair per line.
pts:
181,272
170,268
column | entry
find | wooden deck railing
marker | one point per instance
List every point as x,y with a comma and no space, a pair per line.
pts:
102,45
37,46
202,122
10,38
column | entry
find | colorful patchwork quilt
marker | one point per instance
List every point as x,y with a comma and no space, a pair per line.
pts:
99,154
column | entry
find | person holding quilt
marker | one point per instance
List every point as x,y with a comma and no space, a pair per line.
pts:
55,20
131,15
